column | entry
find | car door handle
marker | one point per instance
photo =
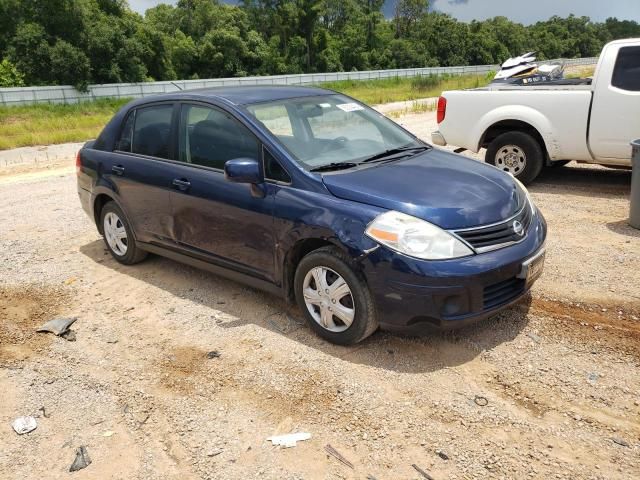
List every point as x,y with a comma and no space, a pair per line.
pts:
118,169
181,184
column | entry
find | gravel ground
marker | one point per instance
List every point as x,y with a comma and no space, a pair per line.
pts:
547,389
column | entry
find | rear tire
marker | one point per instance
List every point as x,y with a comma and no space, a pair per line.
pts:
118,235
334,298
517,153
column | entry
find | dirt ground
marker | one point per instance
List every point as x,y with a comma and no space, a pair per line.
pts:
547,389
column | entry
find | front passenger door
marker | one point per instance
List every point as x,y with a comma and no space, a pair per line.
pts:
212,216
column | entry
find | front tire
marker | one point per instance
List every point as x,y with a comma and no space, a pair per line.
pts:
118,235
334,298
517,153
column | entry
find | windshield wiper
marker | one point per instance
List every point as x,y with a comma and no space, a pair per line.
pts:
395,151
334,166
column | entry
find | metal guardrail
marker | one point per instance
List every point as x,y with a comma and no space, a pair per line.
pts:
68,94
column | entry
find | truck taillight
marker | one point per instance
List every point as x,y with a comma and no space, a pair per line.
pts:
78,163
442,109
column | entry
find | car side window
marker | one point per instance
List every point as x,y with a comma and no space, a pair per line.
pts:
209,137
124,143
152,131
273,170
626,73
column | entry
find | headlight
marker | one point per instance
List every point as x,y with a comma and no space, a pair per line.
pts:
526,193
415,237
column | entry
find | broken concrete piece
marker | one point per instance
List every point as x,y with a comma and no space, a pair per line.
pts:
57,326
24,425
81,461
289,440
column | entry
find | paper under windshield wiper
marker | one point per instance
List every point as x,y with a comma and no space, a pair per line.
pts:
334,166
395,151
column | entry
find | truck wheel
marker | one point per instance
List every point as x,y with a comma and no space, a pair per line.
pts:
334,299
517,153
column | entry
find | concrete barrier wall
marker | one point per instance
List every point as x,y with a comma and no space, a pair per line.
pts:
68,94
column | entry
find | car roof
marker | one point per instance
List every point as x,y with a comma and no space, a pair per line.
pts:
244,95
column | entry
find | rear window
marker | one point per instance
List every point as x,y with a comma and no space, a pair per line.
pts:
626,73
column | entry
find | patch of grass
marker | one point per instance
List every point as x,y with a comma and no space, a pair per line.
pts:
45,124
374,92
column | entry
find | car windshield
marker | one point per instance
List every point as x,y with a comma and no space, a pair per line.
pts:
332,131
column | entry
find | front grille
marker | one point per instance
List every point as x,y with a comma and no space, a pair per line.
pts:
502,292
490,237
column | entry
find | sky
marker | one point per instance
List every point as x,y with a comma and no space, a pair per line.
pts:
523,11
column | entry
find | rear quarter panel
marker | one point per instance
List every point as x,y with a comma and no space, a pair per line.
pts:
560,115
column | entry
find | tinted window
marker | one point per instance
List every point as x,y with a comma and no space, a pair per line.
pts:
210,137
124,143
152,130
273,170
626,74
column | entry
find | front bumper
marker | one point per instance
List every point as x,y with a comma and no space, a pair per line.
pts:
438,139
414,295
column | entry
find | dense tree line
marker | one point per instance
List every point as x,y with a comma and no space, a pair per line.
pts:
79,42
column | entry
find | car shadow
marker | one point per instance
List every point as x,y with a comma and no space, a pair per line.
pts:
580,179
390,351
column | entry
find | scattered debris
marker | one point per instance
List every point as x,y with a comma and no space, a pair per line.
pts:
69,335
57,326
533,337
81,461
422,472
333,452
214,453
371,477
620,441
24,425
108,433
593,378
481,401
442,455
289,440
44,412
213,354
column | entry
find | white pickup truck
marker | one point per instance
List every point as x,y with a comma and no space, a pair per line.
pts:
526,128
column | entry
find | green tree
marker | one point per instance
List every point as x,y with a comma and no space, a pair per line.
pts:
9,75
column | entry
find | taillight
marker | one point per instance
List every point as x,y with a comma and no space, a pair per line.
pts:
442,109
78,163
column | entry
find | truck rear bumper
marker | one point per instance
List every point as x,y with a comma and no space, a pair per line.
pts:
438,139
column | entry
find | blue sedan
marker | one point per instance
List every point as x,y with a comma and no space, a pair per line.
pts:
313,196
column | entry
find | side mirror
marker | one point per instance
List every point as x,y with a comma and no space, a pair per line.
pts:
243,170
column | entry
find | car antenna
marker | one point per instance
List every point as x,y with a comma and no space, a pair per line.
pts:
177,86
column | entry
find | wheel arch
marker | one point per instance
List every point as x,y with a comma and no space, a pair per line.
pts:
505,126
297,252
98,204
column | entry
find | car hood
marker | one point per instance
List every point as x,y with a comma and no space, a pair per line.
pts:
444,188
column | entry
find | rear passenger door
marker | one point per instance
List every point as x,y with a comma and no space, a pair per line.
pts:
141,173
211,216
615,114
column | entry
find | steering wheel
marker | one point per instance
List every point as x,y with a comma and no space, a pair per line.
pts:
335,143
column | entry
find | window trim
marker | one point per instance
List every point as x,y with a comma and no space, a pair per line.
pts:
264,169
